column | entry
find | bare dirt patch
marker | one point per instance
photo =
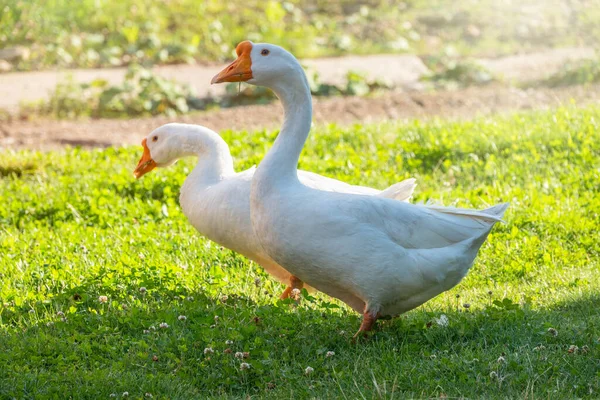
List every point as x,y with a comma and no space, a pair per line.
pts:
46,134
400,70
403,71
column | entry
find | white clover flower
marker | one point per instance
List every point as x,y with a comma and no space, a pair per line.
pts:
330,354
163,325
143,290
573,349
501,360
239,354
585,349
552,331
244,366
229,342
49,323
182,318
208,350
152,328
493,375
102,299
125,394
224,298
433,356
309,370
342,333
442,320
112,395
60,314
148,394
146,331
216,318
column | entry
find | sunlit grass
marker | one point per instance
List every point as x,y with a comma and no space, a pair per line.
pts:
76,226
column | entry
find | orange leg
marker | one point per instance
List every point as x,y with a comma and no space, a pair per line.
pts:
367,325
295,283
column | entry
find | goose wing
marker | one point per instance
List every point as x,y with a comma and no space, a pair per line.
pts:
401,191
422,227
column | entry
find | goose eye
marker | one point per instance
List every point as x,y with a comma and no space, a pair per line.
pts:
154,138
264,52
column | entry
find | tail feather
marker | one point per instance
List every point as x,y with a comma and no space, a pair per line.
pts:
497,210
401,191
492,214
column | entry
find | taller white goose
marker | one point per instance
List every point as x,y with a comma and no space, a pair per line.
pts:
216,199
379,256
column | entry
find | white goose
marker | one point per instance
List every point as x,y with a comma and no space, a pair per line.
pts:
381,257
216,199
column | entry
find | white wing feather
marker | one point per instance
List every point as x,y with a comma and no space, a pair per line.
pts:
401,191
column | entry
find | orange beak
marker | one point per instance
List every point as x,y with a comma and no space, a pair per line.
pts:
146,163
241,69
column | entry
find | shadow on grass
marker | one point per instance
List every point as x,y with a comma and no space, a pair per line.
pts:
186,344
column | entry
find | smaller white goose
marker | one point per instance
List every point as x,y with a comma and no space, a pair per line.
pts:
216,199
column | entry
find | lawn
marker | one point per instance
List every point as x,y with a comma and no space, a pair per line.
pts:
106,289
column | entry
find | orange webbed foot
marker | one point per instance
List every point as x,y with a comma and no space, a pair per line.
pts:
295,283
367,325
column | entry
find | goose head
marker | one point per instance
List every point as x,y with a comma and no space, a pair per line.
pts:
168,143
261,64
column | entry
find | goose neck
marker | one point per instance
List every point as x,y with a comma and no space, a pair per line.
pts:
282,159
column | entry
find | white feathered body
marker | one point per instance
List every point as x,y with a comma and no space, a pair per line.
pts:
387,255
381,257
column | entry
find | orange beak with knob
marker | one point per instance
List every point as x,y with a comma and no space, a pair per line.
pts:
146,163
241,69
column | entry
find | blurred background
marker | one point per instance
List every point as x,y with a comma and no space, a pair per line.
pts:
91,60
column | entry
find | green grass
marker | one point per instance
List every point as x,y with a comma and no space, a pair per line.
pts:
76,226
91,33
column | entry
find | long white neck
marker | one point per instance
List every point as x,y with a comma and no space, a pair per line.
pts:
214,159
281,162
